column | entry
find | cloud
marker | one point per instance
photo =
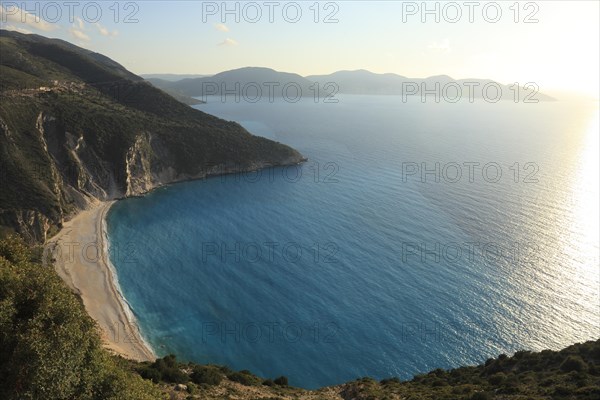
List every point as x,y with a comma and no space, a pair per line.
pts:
104,31
79,34
221,27
443,46
12,13
17,29
77,30
228,42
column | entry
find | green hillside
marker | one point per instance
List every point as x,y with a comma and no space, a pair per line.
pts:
76,126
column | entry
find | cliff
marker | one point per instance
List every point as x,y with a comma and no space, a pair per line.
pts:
76,127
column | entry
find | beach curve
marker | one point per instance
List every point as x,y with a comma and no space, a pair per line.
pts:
80,253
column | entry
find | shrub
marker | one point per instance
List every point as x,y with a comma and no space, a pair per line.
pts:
463,389
151,374
366,379
496,379
174,375
226,370
547,382
49,347
206,375
167,370
192,388
281,381
481,396
240,377
573,363
521,354
388,381
170,361
562,391
438,383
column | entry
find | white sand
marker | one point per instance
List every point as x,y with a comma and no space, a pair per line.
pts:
81,261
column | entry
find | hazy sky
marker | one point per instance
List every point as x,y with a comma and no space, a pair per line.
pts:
559,51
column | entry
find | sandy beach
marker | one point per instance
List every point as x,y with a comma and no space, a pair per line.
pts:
79,251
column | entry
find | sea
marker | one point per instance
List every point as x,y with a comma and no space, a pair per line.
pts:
418,235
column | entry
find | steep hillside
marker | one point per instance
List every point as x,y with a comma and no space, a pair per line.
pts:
163,85
76,126
571,373
49,347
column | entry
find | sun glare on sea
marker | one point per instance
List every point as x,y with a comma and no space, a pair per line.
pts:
582,236
586,199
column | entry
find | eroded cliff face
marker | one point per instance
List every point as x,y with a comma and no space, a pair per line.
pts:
138,160
72,175
34,226
149,164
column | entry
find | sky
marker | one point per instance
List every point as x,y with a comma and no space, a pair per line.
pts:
554,44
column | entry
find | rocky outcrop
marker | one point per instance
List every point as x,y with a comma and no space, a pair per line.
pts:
32,225
139,177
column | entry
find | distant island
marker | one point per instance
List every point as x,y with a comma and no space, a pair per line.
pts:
360,82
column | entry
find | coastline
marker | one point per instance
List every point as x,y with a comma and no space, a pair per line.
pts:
80,253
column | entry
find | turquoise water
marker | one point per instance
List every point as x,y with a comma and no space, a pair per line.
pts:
353,264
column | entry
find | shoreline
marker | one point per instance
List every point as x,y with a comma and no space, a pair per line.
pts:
94,279
80,251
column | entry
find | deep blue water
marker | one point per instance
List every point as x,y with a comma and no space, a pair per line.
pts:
350,266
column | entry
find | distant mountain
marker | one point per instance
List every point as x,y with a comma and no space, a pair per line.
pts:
76,126
447,88
361,81
164,86
172,77
247,83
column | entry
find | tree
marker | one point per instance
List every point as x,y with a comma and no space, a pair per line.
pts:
49,347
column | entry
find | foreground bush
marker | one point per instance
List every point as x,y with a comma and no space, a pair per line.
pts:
49,346
573,363
244,377
206,375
